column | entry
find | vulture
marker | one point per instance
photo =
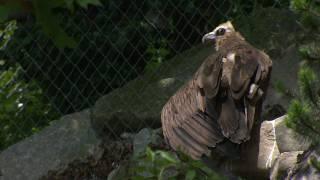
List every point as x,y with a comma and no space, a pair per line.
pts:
215,111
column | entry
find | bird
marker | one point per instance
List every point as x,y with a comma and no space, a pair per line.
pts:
215,111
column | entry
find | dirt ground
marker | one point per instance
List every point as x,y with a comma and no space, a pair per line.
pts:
114,153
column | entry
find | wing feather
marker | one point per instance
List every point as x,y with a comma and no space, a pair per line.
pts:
201,115
229,116
186,125
208,75
245,66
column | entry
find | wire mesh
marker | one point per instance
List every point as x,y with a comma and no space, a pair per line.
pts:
117,42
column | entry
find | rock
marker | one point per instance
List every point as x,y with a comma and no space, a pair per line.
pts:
139,103
308,166
268,149
284,71
271,29
283,163
64,141
287,139
144,138
259,154
119,173
261,157
265,151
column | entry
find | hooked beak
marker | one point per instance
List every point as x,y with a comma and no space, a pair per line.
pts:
209,38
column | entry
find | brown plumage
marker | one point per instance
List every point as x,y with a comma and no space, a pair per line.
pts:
223,99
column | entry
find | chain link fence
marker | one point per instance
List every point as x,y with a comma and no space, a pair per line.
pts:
115,43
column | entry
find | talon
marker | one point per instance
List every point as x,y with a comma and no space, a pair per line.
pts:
253,90
260,93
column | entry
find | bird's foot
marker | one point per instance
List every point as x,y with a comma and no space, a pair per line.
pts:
255,92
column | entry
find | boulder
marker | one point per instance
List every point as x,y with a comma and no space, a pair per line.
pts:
262,156
64,141
284,72
308,166
138,104
288,140
283,163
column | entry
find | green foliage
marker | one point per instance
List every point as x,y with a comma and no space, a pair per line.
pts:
304,111
310,51
299,5
307,82
309,11
161,164
6,33
23,109
314,162
158,53
309,18
45,16
146,163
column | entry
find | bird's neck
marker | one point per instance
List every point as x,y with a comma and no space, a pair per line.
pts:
232,42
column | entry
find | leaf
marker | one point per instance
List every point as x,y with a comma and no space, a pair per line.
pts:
20,100
307,81
314,162
298,5
297,111
167,156
7,33
150,154
310,50
168,172
191,174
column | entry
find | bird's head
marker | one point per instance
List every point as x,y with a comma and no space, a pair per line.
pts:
219,34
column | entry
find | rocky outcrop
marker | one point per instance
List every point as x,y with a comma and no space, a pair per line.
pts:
308,166
289,140
264,156
64,141
283,163
138,104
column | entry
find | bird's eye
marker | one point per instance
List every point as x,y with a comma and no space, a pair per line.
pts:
220,32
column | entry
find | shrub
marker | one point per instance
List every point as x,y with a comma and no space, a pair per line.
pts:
23,107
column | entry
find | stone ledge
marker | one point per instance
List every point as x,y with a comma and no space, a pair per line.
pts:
64,141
